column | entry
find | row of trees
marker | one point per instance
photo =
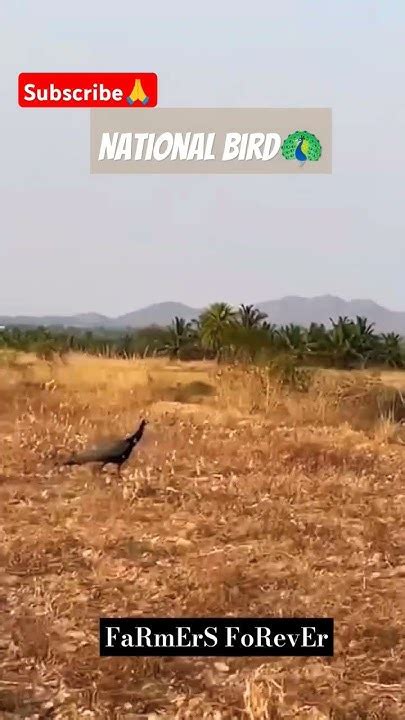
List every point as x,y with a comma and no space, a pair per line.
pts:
247,334
225,333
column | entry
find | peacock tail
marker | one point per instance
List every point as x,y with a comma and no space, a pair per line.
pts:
305,147
301,145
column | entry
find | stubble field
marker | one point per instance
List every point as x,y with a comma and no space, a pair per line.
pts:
244,498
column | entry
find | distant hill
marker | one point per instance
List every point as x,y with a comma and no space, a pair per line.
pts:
303,311
83,320
290,309
159,314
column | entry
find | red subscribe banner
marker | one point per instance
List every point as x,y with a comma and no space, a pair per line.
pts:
87,90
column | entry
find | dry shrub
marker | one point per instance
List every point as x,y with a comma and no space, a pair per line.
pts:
251,389
363,401
192,392
8,358
312,397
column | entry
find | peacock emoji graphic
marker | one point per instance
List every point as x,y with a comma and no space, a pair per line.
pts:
301,146
301,151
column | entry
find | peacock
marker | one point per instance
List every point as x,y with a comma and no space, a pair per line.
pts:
301,151
301,146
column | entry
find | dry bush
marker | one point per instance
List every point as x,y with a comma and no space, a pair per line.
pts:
365,401
252,498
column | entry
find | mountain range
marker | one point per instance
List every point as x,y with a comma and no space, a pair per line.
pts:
290,309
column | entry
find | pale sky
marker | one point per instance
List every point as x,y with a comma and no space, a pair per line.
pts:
74,242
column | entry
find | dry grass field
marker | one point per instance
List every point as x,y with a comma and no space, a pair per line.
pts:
244,498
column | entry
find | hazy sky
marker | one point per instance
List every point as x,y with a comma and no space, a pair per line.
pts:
73,242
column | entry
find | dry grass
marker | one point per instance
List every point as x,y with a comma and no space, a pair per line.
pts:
244,499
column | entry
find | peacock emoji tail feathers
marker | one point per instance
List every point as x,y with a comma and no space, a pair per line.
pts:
310,147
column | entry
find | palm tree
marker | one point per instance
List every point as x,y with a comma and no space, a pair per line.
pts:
365,328
213,325
125,346
250,316
248,343
294,339
391,351
179,334
352,342
271,333
317,334
364,340
340,340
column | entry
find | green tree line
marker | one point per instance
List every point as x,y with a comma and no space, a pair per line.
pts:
223,333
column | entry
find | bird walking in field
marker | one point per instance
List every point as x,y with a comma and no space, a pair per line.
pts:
114,453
